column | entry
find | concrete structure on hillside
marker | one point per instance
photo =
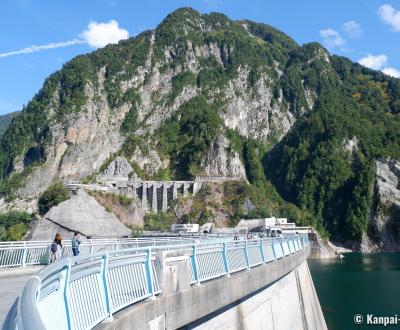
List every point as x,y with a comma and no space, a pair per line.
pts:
262,224
277,295
157,195
152,195
320,249
120,178
79,213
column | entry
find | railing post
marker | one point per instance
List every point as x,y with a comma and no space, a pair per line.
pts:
194,265
149,273
262,250
91,246
246,254
66,294
283,250
273,249
224,257
105,286
24,255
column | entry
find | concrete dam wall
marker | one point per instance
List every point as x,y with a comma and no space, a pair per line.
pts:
277,295
289,303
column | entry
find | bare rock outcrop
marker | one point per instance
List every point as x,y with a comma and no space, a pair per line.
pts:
119,169
385,216
80,142
222,160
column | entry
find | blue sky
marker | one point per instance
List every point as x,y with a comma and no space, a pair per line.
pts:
39,36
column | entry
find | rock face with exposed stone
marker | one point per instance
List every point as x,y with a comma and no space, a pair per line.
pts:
119,169
222,160
386,214
80,141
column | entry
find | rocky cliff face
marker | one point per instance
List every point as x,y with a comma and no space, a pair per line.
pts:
80,142
141,92
205,95
118,169
385,219
222,160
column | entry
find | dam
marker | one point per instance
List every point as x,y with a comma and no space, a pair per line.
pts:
153,196
204,284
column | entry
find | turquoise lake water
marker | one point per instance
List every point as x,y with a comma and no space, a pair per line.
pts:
359,283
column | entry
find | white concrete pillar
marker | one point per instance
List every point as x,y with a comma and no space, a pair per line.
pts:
144,196
154,203
196,187
174,191
185,189
164,205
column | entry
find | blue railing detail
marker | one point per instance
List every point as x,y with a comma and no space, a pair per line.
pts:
80,292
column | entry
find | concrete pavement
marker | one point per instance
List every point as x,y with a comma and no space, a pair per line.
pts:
12,281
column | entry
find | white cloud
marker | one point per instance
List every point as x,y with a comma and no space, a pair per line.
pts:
392,72
352,29
96,35
375,62
35,48
101,34
390,16
332,38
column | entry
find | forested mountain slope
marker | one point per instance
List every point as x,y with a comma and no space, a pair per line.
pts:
307,127
5,121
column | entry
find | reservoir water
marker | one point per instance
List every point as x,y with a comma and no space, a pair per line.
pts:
359,283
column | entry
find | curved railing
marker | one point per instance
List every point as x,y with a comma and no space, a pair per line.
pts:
81,292
28,253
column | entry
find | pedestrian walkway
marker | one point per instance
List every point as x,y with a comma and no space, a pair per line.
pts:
12,281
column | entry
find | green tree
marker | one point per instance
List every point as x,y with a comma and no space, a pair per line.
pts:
158,221
54,194
14,225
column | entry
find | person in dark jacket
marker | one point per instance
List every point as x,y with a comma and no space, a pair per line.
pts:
75,242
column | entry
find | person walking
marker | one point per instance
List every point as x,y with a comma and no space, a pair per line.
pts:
56,249
75,242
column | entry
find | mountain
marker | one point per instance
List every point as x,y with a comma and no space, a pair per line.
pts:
205,95
5,121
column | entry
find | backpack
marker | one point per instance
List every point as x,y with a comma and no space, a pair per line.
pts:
53,247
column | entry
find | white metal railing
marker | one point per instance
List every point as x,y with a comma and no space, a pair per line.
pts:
80,292
27,253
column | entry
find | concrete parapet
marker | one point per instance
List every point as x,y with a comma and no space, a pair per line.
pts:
182,305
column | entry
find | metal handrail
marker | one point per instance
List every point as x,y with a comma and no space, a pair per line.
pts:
24,253
81,292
